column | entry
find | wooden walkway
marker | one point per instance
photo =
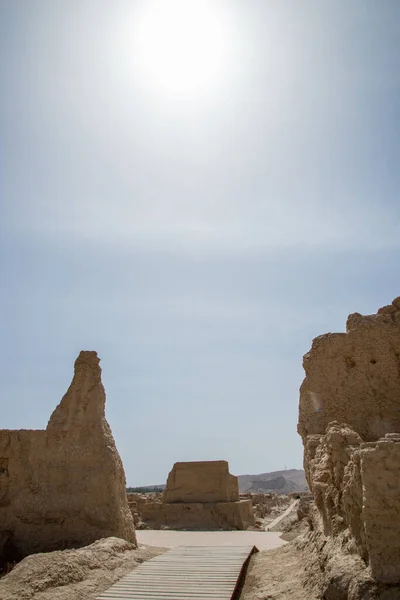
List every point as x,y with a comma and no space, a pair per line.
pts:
185,573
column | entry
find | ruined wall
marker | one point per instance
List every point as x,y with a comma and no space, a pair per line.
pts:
354,377
200,495
348,418
199,516
65,486
380,475
201,481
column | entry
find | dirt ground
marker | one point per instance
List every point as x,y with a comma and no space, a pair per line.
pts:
276,575
170,539
85,573
79,574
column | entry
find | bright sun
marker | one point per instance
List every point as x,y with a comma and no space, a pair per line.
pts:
181,45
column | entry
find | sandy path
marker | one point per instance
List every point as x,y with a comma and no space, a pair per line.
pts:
276,521
169,539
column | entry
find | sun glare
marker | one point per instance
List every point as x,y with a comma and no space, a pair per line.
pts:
181,45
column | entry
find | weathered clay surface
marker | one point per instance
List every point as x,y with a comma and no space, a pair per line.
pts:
203,481
193,515
64,487
198,495
81,574
354,377
380,478
348,418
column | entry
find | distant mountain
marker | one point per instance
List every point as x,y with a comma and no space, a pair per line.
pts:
145,489
283,482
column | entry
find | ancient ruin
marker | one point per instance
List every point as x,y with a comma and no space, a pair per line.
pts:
201,482
349,420
64,487
200,495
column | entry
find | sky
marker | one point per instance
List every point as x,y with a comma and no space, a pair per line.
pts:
195,190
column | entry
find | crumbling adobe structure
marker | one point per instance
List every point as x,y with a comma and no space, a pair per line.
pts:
64,487
200,495
208,481
349,420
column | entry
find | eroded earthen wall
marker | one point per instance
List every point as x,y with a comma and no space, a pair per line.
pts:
65,486
199,516
354,377
201,481
200,495
349,419
380,475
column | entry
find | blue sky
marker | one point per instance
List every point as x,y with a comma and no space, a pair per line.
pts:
199,239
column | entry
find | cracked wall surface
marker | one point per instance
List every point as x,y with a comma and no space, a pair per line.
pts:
349,420
354,377
64,486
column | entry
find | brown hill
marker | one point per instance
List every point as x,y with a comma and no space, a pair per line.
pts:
290,480
284,482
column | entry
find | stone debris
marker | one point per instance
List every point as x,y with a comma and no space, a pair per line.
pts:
266,507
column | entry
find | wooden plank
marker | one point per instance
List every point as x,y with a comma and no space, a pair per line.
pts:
184,573
179,594
176,585
180,580
152,596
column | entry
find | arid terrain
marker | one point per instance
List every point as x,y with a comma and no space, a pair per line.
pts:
282,482
277,575
84,573
63,540
73,574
